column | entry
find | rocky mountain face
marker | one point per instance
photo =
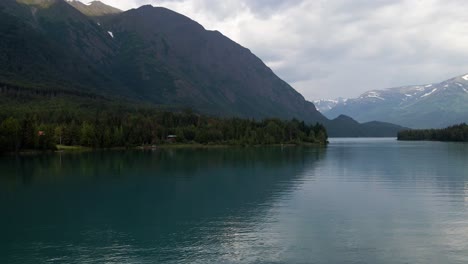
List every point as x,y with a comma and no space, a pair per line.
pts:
150,55
419,106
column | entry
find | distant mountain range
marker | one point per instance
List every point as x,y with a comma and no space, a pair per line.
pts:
146,55
419,106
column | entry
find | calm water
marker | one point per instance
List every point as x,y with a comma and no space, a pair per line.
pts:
358,201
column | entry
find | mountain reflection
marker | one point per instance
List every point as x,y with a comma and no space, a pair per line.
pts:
357,201
156,201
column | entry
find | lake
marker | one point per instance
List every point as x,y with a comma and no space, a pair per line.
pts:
356,201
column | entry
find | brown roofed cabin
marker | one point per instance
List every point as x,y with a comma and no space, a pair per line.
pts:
171,138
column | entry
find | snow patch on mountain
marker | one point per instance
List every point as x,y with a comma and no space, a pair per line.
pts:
324,105
409,105
429,93
372,95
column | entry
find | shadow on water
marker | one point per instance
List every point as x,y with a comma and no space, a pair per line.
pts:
84,207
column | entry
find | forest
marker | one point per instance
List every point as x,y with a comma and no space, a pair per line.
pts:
43,128
456,133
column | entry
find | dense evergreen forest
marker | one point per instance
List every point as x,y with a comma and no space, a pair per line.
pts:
43,126
458,133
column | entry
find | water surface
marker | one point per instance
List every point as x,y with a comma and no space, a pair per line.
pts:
357,201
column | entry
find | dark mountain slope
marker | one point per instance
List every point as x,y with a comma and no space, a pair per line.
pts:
200,68
51,44
150,54
344,126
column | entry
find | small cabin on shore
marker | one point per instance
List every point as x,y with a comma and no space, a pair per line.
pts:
171,138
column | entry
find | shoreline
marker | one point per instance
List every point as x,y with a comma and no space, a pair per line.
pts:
82,149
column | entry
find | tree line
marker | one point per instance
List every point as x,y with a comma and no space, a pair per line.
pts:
457,133
110,129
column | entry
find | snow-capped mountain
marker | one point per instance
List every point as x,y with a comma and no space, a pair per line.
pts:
418,106
325,105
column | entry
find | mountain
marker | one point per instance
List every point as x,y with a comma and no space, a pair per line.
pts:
146,54
149,55
345,126
200,68
419,106
94,8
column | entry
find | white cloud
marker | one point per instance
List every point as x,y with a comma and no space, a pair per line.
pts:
332,48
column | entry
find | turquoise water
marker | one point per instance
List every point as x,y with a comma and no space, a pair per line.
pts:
357,201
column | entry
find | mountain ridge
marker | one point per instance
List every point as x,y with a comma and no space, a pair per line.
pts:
94,8
435,105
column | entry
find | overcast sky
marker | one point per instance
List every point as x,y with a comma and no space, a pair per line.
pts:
333,48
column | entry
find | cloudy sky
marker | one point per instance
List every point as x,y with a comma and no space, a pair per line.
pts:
332,48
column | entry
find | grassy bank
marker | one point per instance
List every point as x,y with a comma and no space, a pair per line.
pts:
72,148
